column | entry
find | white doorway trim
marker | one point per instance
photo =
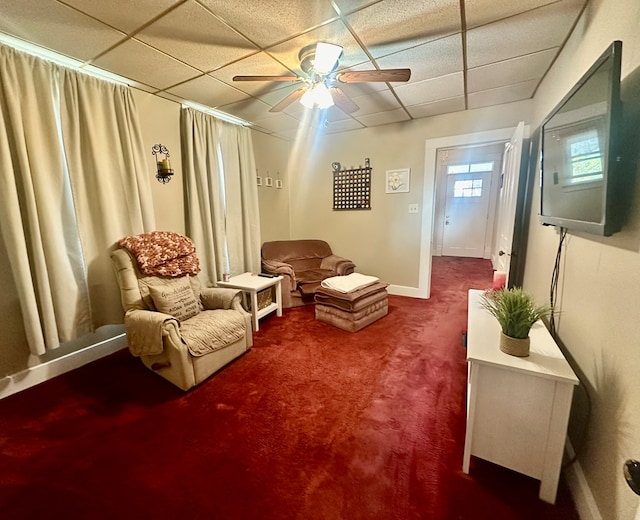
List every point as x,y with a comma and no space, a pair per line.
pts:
428,192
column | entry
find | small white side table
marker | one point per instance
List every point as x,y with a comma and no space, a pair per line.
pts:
251,284
517,408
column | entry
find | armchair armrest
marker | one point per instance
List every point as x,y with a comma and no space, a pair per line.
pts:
337,264
145,330
220,298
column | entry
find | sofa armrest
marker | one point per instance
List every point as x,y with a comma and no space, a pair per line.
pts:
145,330
337,264
220,298
281,268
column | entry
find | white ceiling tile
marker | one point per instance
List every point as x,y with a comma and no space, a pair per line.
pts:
342,126
208,91
270,21
248,109
376,102
278,123
349,6
530,32
436,58
134,16
383,118
149,66
430,90
394,25
193,35
443,106
57,27
260,64
508,72
480,12
501,95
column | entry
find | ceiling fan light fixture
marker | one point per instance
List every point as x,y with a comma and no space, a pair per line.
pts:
326,58
318,95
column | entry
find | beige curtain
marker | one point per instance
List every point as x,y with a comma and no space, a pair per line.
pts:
72,182
222,212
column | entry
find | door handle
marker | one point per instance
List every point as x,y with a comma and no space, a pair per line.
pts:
502,253
446,221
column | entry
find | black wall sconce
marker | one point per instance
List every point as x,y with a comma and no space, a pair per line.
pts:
163,166
631,472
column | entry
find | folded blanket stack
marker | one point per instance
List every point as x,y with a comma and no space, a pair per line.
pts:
349,283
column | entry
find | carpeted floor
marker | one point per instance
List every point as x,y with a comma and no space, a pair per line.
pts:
312,423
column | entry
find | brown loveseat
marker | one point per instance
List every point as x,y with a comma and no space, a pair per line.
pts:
303,264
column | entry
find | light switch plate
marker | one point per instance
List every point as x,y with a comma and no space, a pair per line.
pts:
413,208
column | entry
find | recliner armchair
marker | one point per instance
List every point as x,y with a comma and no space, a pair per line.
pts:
187,351
303,265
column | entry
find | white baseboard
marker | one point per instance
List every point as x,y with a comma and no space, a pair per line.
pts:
35,375
403,290
580,490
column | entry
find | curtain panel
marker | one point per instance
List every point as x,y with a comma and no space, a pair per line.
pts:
73,181
221,196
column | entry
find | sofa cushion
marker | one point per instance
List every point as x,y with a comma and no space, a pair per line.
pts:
312,275
288,250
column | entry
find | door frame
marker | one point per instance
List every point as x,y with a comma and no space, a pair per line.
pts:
429,194
440,201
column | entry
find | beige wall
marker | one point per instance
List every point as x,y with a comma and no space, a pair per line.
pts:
272,160
599,288
384,241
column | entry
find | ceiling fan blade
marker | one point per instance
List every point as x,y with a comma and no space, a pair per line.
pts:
365,76
266,78
342,101
284,103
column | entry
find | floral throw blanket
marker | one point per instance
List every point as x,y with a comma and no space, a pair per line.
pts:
163,253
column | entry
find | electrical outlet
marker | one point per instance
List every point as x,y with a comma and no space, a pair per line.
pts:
413,208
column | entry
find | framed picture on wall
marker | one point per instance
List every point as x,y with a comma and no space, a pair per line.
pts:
397,181
259,180
268,181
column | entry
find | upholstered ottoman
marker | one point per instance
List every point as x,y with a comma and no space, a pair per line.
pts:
354,310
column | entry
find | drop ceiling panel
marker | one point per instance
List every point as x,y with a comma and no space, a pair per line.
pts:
260,64
343,126
248,109
278,123
529,32
384,118
508,72
193,35
376,102
444,106
208,91
431,89
480,12
133,17
436,58
273,97
270,21
57,27
394,25
149,66
501,95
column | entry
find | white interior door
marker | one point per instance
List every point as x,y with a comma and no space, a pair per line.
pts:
501,256
466,212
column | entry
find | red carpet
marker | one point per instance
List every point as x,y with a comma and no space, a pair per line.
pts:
312,423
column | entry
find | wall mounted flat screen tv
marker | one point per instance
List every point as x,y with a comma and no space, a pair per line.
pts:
580,160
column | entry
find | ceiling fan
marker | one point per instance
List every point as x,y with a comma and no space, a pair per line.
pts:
319,63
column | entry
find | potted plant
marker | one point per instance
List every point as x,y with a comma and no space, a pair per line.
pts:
516,312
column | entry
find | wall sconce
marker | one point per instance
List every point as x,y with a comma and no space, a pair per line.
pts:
163,166
631,470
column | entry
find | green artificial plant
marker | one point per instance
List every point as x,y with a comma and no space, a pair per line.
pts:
515,310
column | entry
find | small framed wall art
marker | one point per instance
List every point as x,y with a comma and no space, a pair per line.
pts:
397,181
259,180
268,181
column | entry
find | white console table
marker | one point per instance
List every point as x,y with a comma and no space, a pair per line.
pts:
517,408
